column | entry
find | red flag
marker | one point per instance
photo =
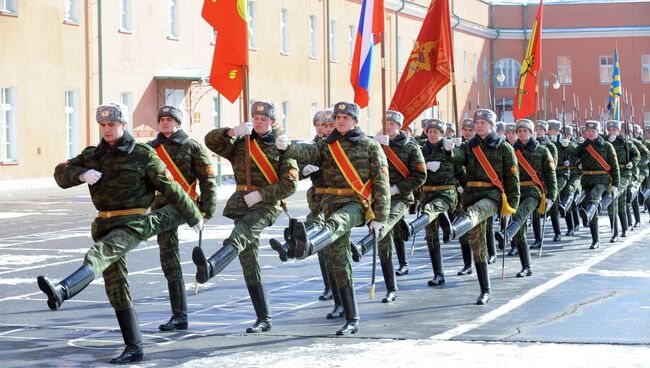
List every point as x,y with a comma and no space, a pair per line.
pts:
228,18
526,92
429,65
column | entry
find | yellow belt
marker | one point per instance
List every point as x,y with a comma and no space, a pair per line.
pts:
622,166
435,188
130,211
245,188
336,191
479,184
527,183
596,172
567,167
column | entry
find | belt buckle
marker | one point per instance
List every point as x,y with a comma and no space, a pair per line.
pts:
108,214
339,191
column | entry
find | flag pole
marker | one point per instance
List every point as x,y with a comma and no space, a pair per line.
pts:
383,83
247,137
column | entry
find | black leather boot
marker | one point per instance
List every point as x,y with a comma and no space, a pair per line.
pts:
178,321
636,211
555,222
613,222
630,220
466,250
389,280
570,230
419,223
587,213
576,218
444,221
400,251
281,248
537,229
484,282
624,224
491,248
606,200
262,309
349,301
460,226
310,243
436,262
338,311
509,232
593,227
513,250
362,247
208,268
565,203
327,292
134,351
67,288
524,258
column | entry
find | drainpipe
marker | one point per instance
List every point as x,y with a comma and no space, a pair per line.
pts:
88,73
327,56
99,51
396,38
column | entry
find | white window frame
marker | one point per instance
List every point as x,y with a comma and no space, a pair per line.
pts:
564,69
465,66
313,109
511,69
475,62
369,119
213,37
352,39
284,31
127,100
174,26
285,116
216,110
332,35
645,68
606,70
71,11
250,13
72,127
9,7
126,16
9,125
313,37
176,97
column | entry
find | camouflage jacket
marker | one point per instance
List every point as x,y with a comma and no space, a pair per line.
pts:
233,150
562,155
541,161
552,148
131,174
645,157
409,153
366,156
446,174
502,157
317,181
193,162
620,144
589,163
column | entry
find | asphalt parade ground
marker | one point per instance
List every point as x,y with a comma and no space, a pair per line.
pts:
581,307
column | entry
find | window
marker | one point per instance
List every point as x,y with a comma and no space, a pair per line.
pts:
475,63
332,40
284,31
564,69
606,69
369,120
313,37
645,68
511,69
173,19
285,116
127,100
71,123
352,38
251,24
465,66
213,37
125,16
9,6
71,11
216,110
175,97
8,124
314,110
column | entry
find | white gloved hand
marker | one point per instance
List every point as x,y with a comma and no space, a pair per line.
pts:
282,142
629,165
309,169
253,198
243,129
199,226
553,138
433,166
564,142
581,140
460,189
614,191
580,166
458,141
91,176
566,163
375,226
382,138
394,190
449,145
611,138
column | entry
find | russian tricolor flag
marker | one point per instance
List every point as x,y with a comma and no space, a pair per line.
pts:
371,24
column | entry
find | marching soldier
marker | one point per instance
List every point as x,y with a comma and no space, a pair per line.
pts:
253,208
501,128
538,188
357,189
562,173
600,176
407,172
189,164
450,131
122,178
642,171
461,176
511,133
569,170
541,128
492,184
437,196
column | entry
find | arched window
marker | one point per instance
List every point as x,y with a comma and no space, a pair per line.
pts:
511,68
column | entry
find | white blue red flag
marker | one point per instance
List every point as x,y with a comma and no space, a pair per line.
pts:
371,25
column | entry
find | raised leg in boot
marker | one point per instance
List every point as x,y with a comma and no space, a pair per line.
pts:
178,302
636,211
133,352
67,288
208,268
262,309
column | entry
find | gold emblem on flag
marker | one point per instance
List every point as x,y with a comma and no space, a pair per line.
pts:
232,74
420,58
241,9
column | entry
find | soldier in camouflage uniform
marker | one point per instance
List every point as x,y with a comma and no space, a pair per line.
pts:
193,163
501,128
253,207
343,207
511,133
642,172
628,161
404,179
568,205
562,173
541,128
538,188
437,196
599,183
483,198
122,177
461,176
450,131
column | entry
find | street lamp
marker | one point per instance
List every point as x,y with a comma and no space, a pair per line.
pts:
556,85
500,78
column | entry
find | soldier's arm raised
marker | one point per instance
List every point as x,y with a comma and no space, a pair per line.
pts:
66,174
510,175
288,175
207,181
457,155
305,153
417,169
219,142
380,182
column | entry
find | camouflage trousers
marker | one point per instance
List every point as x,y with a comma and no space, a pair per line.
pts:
561,184
245,236
398,208
594,193
527,207
339,221
480,213
107,257
437,207
170,259
624,194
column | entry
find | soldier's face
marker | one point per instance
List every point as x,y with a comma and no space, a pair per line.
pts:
328,128
539,131
434,135
511,135
612,131
646,135
482,127
344,123
111,131
468,133
590,134
319,128
168,126
553,132
449,133
523,134
262,124
392,128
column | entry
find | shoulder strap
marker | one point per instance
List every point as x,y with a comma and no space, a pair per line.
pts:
263,163
349,172
598,158
399,165
529,169
487,167
176,172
